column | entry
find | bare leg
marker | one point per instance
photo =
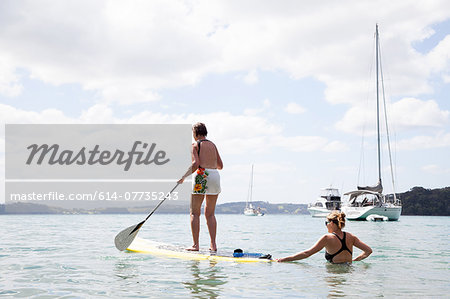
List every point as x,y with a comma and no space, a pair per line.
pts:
210,208
196,205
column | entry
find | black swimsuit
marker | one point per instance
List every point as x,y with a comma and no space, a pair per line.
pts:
199,143
329,257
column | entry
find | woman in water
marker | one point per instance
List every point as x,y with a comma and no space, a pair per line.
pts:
338,244
205,162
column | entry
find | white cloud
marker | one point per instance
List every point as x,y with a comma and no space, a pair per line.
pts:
254,111
446,78
236,134
97,114
10,85
435,169
127,53
251,77
440,140
406,114
9,114
413,113
307,144
294,108
128,94
439,57
336,146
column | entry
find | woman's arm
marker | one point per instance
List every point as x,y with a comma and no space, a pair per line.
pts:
307,253
194,166
219,160
364,247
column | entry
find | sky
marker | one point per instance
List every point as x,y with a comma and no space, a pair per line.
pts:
287,86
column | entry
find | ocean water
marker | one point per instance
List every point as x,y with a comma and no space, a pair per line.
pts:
73,256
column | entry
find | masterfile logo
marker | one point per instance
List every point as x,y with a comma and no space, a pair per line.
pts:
91,157
97,151
72,163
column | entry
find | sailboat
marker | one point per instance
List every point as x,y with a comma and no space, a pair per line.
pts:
369,202
249,209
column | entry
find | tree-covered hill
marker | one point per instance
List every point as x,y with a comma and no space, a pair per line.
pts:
429,202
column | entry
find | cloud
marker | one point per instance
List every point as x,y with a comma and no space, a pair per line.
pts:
10,85
307,144
9,114
235,133
294,108
440,140
251,77
254,111
413,113
435,169
127,53
406,114
446,78
439,57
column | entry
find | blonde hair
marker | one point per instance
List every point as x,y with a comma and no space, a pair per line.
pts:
338,218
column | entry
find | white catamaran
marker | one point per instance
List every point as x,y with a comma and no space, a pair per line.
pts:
368,203
249,209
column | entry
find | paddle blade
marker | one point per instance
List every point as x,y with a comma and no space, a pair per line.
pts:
126,237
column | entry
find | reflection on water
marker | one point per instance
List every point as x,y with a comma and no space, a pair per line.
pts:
336,277
206,280
125,269
339,268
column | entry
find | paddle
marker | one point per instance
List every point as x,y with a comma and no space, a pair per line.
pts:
126,237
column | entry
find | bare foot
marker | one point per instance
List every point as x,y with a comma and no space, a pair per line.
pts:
213,248
193,248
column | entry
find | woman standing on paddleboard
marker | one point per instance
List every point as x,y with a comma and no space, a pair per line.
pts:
336,241
206,184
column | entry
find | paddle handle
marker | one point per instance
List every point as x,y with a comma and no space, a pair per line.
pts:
167,196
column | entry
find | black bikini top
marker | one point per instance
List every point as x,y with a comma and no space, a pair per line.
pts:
329,257
199,142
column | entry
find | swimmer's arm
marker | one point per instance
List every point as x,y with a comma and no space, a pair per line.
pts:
364,247
307,253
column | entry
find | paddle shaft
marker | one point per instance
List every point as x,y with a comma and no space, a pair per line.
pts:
167,196
126,237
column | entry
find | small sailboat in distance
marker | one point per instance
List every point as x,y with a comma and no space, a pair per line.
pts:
249,209
369,202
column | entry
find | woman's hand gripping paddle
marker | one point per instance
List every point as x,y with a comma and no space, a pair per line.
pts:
126,237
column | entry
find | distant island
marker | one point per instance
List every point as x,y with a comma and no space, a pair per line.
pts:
181,207
417,201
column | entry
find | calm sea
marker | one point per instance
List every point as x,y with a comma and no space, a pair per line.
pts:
73,256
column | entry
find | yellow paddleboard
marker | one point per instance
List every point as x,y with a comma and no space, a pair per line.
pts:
155,248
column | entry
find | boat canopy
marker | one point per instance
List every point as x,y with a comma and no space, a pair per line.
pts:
355,194
378,188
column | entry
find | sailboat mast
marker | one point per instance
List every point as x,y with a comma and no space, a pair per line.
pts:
251,185
378,108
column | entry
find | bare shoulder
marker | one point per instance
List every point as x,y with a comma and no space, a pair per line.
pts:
327,236
351,237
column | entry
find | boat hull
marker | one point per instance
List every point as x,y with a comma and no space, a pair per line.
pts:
250,214
318,212
361,213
